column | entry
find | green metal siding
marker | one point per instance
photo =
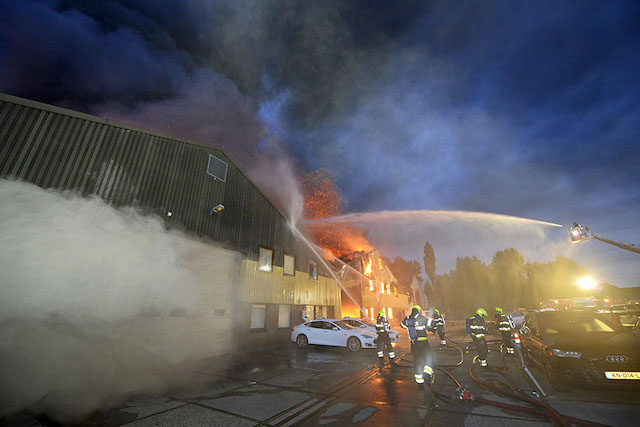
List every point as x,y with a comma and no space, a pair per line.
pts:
128,166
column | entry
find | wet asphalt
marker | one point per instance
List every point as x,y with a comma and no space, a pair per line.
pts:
321,385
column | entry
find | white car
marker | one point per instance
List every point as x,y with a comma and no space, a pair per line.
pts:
371,327
332,332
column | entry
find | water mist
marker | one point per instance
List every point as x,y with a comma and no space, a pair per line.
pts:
88,302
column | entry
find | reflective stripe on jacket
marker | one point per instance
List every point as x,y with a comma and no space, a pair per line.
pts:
478,327
504,324
416,326
382,325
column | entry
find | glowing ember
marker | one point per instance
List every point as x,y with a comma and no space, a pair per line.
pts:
322,200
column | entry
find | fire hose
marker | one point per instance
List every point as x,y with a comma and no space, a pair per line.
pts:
545,411
552,413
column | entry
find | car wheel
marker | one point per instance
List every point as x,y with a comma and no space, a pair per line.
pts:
354,344
555,382
302,340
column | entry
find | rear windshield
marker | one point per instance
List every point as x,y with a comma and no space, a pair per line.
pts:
570,322
343,324
368,322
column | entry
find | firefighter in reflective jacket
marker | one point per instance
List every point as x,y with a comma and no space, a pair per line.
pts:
438,322
383,328
505,327
417,326
478,331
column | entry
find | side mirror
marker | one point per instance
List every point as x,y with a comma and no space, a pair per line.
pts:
524,330
335,328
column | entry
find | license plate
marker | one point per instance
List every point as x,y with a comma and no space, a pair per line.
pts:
622,375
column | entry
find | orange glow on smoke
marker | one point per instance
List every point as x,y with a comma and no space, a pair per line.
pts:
322,200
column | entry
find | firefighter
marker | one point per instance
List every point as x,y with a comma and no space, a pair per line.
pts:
478,331
438,322
417,326
383,328
504,326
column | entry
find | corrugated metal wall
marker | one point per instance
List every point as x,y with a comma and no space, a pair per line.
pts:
276,288
58,148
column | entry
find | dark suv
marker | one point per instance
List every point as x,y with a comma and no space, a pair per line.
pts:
581,348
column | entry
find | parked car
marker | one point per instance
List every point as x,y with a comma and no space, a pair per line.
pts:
581,348
367,324
519,315
334,333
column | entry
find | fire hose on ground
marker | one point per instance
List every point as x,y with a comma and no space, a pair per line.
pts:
540,409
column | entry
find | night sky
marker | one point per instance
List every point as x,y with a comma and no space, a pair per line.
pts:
529,109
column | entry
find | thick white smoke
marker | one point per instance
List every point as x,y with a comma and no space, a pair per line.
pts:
88,299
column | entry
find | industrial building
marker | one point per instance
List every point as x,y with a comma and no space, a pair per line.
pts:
369,283
257,279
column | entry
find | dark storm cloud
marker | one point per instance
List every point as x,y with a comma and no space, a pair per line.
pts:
525,109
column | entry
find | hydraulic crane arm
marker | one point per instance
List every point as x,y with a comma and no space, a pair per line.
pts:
578,233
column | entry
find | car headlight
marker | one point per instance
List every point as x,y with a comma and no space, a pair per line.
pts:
562,353
368,336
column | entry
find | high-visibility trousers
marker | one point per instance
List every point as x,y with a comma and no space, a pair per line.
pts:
382,342
422,360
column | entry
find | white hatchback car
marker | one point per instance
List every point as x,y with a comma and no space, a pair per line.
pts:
371,327
332,332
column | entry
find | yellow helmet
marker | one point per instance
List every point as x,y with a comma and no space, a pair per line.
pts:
381,313
481,312
417,307
498,310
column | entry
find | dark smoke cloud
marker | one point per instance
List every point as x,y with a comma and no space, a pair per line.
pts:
525,110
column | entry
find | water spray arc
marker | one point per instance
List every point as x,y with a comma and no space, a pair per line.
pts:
326,265
429,214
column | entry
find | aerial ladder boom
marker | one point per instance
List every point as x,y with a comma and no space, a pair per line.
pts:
578,233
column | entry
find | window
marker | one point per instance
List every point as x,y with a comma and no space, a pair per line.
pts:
395,290
284,316
388,289
382,288
313,270
258,314
390,313
366,312
289,265
371,286
265,259
371,311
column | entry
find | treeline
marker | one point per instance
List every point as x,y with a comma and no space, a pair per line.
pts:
506,282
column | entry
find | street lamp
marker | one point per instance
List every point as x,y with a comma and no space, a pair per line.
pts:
586,282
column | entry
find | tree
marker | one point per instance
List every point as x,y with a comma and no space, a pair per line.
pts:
509,286
404,271
429,260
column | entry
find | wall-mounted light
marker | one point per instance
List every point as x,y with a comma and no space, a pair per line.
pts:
217,209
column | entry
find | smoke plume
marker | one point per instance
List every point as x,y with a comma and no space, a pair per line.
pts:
88,304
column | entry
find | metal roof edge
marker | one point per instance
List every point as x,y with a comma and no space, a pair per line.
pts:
55,109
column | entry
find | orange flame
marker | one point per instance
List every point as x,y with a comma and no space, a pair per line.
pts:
322,200
368,270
